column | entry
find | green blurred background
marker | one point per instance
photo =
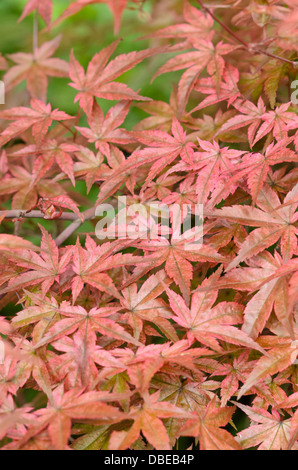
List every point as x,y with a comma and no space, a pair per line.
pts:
87,33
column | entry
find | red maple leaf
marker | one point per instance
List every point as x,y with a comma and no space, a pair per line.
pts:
44,269
73,405
207,427
205,55
104,130
44,8
117,7
35,69
40,118
99,80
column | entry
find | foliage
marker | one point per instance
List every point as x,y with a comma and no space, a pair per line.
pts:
134,341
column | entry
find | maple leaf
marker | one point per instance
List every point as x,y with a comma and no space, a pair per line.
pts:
205,55
77,366
251,115
43,308
10,381
270,430
143,365
74,405
90,265
198,25
99,80
93,169
208,324
268,275
43,7
190,394
90,166
45,268
210,166
282,354
35,68
40,118
272,293
282,180
209,125
5,327
185,198
273,75
226,90
12,242
238,370
277,121
11,416
41,441
256,166
274,222
26,188
143,305
162,149
291,402
49,152
116,6
31,362
147,419
177,254
207,427
162,114
105,130
94,320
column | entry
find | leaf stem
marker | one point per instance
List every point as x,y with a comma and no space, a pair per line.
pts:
35,31
67,127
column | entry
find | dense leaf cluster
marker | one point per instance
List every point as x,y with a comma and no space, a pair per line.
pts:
141,342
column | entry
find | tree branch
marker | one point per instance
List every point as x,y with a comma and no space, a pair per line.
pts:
22,214
250,49
76,222
87,215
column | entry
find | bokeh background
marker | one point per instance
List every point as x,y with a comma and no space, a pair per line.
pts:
87,33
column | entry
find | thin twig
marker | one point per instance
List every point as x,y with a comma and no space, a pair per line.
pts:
250,48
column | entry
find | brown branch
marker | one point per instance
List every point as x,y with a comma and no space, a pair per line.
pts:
250,49
76,222
22,214
87,215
